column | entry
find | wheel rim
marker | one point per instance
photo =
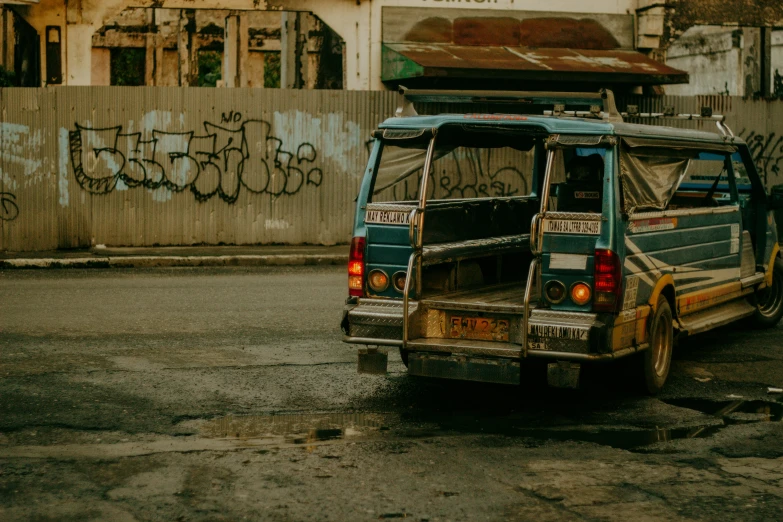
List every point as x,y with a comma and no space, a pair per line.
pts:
662,346
770,299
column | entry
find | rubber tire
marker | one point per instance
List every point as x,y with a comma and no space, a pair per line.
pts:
662,324
770,320
404,357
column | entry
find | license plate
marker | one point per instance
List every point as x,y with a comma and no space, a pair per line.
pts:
537,345
560,332
481,328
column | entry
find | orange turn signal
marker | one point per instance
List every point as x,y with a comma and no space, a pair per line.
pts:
378,280
355,283
580,293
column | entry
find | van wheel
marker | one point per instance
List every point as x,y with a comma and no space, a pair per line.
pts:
404,357
769,300
657,359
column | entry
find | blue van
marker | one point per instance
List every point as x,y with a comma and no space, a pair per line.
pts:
558,232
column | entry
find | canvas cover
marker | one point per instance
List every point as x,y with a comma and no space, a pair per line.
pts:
651,170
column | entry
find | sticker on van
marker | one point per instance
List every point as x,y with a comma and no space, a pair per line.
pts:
567,226
388,217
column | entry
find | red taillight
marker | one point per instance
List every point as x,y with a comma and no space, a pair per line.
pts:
608,281
356,267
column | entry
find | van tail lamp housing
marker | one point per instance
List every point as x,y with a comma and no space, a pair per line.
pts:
580,293
356,267
555,291
608,283
398,280
378,280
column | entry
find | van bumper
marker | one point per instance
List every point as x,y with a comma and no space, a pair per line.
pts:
554,335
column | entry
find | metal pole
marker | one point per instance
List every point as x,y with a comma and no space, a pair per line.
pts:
526,310
423,188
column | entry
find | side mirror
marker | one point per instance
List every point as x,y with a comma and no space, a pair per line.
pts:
776,198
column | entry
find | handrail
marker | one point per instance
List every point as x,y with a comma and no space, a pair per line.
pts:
526,311
724,129
405,297
534,226
425,176
417,220
536,245
412,226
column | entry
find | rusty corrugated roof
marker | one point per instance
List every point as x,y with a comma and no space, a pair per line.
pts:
403,61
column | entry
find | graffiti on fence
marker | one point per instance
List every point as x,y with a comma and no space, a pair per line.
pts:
8,207
220,162
21,164
767,153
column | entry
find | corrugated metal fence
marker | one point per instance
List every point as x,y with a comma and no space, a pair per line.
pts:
170,166
147,166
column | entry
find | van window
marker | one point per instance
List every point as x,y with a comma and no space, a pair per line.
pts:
659,175
577,180
467,164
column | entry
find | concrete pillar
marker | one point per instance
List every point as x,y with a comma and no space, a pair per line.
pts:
193,38
6,37
231,51
158,59
79,54
243,59
153,67
149,61
750,62
183,51
294,61
302,49
288,50
767,88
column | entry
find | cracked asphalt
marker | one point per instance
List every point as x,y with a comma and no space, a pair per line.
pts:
227,394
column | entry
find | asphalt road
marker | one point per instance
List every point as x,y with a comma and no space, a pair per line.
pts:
227,394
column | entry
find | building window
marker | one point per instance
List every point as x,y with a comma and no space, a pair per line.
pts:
54,71
272,70
210,68
128,66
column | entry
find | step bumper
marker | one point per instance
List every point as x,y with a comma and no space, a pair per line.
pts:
552,334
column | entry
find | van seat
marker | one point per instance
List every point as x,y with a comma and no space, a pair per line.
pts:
437,253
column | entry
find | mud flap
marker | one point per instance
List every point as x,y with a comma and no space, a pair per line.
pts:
373,361
563,374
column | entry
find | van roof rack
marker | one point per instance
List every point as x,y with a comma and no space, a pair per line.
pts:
601,104
705,114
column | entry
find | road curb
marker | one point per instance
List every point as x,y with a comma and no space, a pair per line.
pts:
175,261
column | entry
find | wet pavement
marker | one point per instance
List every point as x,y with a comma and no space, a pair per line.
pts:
226,394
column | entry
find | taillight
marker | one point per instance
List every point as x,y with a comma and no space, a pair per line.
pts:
356,267
608,281
580,293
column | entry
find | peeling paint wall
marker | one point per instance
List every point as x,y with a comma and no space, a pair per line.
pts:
724,60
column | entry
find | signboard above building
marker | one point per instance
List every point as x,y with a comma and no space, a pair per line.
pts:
487,26
466,48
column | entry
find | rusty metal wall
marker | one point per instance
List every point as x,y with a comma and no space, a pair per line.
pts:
144,166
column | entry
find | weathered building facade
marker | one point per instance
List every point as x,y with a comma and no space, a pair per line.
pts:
372,44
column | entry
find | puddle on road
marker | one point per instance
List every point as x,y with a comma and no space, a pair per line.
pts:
296,429
310,428
732,411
